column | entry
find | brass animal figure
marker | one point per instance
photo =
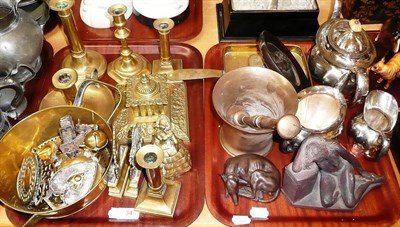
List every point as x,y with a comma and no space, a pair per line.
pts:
388,71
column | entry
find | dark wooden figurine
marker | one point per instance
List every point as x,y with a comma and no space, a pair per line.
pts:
251,176
322,175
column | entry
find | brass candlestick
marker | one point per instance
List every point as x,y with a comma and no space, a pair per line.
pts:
129,64
157,195
85,62
97,97
165,64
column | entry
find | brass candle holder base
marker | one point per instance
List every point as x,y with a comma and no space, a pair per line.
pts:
90,63
160,67
123,68
163,204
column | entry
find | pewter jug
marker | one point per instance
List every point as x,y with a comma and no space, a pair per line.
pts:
340,57
21,41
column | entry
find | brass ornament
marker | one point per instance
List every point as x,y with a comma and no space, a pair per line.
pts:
143,109
32,179
176,156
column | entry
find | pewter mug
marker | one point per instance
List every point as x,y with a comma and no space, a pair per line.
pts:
321,110
372,130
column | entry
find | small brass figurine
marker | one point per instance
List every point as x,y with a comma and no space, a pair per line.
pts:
176,156
389,70
388,40
322,176
251,176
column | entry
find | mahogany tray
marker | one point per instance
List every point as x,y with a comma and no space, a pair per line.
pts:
186,30
191,198
377,208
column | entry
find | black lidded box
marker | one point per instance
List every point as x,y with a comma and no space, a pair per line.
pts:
248,24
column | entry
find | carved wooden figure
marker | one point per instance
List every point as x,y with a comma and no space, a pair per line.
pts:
322,176
251,176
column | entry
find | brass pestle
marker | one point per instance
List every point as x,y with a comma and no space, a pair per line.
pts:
165,64
81,60
288,126
129,64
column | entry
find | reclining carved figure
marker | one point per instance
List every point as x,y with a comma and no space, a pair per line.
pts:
251,176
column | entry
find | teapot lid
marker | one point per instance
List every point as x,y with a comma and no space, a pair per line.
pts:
345,44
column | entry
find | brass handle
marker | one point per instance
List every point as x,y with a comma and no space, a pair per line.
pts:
85,84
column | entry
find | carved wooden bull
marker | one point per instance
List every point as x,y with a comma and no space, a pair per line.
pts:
251,176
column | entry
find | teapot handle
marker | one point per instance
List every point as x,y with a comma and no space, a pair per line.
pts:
337,7
362,86
18,98
85,84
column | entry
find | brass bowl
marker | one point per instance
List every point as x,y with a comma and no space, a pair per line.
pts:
32,131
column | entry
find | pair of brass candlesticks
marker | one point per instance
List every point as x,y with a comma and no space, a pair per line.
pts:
129,63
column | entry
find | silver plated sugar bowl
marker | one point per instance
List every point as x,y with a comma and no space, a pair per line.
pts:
340,57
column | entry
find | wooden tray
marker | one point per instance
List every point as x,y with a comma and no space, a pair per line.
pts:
377,208
186,30
191,198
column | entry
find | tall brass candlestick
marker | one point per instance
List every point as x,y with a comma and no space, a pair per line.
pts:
165,64
85,62
129,64
157,195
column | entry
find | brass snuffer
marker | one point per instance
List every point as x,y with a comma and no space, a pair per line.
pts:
83,61
165,64
253,102
129,64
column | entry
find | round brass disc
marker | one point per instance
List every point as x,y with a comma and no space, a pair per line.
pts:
150,156
163,24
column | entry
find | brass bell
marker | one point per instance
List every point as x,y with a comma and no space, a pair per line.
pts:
96,140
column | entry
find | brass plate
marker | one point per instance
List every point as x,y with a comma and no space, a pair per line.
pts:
241,55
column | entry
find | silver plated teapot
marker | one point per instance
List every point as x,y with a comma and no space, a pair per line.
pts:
340,57
21,42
